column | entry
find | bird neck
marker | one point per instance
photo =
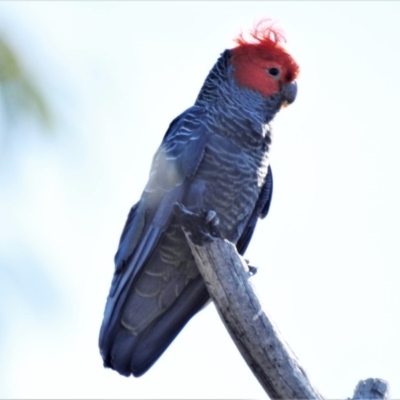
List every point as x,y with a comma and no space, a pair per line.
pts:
239,113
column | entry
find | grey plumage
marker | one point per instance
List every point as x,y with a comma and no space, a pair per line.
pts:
214,156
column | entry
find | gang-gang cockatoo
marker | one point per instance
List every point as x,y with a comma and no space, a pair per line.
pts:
213,160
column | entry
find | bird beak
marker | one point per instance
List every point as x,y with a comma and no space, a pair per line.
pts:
289,91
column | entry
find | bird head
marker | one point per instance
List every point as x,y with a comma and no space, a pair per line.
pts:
262,63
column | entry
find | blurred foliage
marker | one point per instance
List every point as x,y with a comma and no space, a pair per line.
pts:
18,93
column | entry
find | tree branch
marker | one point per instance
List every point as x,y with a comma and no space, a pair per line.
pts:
226,275
371,389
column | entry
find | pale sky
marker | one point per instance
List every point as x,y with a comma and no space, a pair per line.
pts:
116,74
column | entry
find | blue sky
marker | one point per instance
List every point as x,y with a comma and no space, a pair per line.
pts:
116,74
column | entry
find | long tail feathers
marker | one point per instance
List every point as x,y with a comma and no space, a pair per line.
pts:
128,353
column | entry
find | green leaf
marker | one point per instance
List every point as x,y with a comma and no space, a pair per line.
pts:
19,93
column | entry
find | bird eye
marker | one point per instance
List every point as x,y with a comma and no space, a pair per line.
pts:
274,71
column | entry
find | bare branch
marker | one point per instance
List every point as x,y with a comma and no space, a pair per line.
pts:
371,389
226,275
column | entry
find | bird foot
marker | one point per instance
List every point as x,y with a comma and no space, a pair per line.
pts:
211,218
252,269
212,221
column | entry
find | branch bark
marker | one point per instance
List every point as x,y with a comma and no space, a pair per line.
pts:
226,276
371,389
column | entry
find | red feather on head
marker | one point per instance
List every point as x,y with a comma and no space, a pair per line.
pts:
263,33
264,48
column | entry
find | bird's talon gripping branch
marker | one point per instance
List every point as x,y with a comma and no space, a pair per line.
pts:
252,269
212,221
212,217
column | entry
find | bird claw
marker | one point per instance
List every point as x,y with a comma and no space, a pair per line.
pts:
213,221
211,218
252,269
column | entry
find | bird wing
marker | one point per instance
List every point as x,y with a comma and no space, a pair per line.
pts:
125,327
260,211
